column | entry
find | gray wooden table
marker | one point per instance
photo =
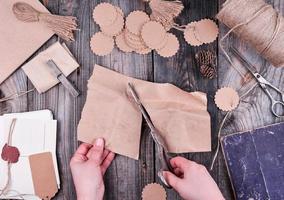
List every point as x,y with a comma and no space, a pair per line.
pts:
126,177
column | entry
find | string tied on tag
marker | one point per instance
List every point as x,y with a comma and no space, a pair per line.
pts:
227,115
63,26
11,155
200,32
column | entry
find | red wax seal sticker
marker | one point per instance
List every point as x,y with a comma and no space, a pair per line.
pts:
10,154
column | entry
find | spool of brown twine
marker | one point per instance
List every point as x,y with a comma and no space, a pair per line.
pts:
258,24
63,26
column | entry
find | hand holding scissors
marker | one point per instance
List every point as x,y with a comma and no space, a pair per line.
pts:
264,84
159,141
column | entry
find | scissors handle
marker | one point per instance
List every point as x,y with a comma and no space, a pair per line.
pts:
277,90
163,156
165,165
274,108
274,103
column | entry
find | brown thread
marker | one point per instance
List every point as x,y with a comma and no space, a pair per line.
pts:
222,125
257,17
16,95
4,190
9,141
63,26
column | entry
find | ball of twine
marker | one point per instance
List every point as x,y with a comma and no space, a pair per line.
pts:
258,24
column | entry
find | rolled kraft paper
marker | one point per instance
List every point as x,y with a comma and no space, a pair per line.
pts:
264,30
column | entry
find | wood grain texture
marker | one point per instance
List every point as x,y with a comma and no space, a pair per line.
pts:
126,177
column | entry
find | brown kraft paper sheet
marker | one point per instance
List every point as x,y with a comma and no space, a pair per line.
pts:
110,112
19,40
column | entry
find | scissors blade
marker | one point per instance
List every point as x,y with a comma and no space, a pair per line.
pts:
141,107
241,58
154,132
260,79
162,148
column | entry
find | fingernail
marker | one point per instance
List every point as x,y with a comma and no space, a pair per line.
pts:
99,142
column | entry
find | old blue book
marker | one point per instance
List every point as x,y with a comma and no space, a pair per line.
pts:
255,162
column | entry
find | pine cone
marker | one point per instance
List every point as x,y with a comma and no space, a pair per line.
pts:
207,63
208,71
205,57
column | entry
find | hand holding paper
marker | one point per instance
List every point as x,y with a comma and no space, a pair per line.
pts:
88,166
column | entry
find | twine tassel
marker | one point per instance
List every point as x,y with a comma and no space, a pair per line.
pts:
164,11
63,26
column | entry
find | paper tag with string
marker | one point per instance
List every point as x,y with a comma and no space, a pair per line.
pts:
43,175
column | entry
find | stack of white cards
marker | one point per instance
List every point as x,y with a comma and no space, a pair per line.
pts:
34,134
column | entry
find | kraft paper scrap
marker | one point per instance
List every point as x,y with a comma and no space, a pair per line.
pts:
110,112
41,74
19,40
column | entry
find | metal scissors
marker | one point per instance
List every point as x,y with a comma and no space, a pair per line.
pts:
164,158
263,83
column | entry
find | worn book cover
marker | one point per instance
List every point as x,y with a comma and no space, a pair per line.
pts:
255,162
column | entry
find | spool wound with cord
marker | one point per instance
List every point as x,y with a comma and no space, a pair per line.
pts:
247,19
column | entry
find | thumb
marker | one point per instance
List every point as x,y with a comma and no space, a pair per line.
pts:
172,179
96,152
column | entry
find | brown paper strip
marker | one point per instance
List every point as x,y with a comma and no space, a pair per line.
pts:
43,175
